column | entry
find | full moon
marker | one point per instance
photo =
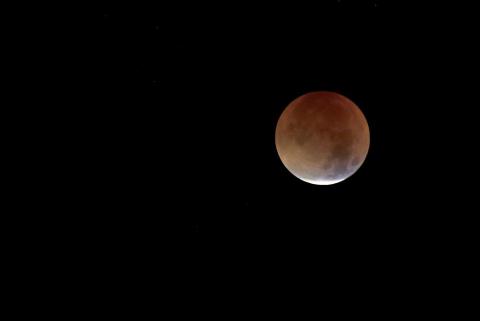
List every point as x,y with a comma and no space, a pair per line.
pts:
322,138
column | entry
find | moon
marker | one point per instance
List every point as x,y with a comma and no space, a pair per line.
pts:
322,138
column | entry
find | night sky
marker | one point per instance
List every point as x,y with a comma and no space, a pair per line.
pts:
188,100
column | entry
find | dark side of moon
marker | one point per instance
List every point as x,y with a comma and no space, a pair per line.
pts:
322,138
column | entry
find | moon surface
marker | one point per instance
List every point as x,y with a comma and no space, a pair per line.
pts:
322,138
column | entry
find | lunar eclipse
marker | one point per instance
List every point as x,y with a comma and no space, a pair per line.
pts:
322,138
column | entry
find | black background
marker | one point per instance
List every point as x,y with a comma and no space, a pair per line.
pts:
186,175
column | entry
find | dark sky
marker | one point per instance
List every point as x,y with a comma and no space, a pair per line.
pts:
188,101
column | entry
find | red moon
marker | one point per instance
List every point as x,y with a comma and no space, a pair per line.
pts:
322,138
